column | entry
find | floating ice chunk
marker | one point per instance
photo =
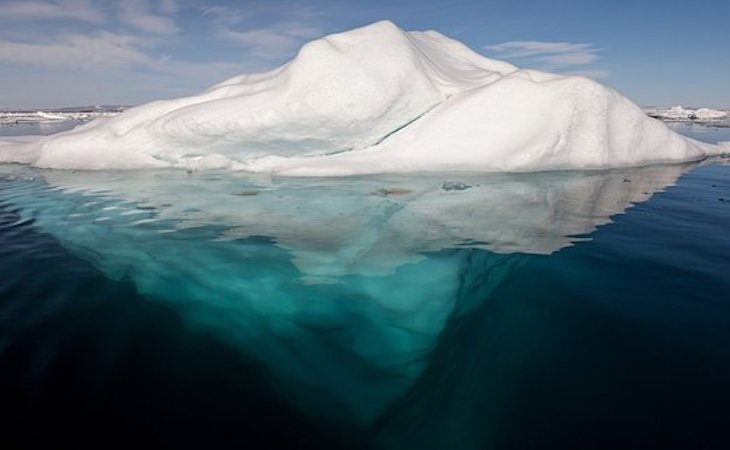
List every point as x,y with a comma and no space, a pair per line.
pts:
50,116
710,114
375,99
680,113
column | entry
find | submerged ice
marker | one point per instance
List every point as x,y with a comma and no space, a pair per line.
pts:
340,287
375,100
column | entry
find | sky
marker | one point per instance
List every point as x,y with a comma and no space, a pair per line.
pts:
57,53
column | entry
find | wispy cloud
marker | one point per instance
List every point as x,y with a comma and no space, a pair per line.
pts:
110,53
82,10
273,41
138,14
559,56
129,40
103,50
287,29
225,14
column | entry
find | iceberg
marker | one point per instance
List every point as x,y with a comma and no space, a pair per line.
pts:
375,99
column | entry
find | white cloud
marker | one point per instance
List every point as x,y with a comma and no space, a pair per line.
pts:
123,58
289,28
136,13
82,10
547,55
104,50
531,48
274,41
225,15
113,54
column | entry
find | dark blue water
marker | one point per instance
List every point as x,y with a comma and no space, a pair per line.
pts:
564,310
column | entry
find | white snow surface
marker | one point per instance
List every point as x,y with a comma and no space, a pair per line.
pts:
375,99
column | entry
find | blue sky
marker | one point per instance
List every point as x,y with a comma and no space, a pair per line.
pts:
78,52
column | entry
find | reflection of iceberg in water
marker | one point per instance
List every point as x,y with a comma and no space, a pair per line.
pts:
340,287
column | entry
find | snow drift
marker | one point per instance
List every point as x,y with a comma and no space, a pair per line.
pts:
371,100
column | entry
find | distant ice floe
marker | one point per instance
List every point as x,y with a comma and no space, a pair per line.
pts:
699,115
62,115
376,99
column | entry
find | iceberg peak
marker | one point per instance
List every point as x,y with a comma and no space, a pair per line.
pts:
375,99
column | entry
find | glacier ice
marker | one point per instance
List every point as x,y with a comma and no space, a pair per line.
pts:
375,100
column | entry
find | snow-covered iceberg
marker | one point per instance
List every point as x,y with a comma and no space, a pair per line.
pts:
374,100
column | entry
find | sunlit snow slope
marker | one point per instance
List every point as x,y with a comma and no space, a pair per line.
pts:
375,99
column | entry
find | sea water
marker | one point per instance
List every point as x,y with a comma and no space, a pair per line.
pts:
467,311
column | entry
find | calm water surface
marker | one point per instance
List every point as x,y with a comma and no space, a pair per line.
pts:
36,128
159,309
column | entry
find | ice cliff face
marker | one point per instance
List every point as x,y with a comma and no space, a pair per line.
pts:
375,99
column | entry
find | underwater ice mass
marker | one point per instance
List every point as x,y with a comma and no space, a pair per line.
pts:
375,100
341,287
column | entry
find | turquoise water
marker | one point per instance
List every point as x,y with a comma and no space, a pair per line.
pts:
466,311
